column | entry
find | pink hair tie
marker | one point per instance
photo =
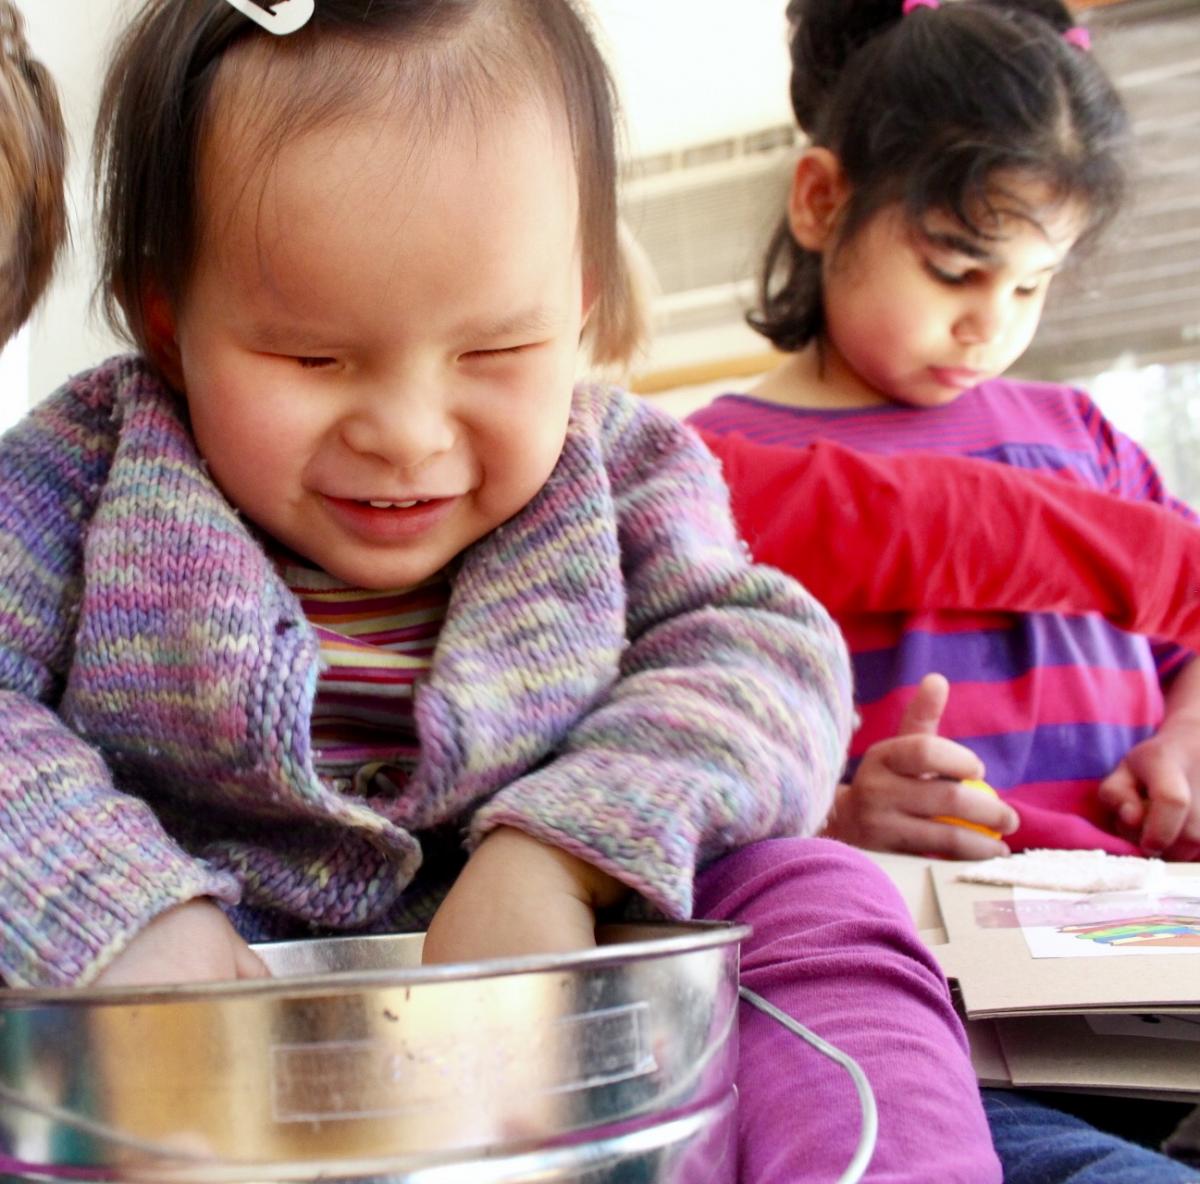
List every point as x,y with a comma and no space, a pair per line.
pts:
1079,37
913,5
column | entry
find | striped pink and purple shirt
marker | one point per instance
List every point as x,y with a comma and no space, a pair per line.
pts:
1050,703
375,646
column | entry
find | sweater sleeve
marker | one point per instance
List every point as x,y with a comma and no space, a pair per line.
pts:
1132,474
82,865
730,718
909,533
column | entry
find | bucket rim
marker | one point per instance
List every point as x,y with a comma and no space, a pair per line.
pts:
684,937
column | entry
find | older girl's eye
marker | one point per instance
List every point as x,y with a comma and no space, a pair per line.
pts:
315,363
953,278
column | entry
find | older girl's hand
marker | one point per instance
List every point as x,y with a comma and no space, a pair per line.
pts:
1155,792
190,943
519,896
908,792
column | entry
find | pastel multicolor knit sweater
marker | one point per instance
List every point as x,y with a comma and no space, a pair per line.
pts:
614,677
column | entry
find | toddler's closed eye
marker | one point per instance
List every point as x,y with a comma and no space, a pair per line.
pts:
501,352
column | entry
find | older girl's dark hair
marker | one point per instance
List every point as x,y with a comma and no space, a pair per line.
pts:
33,214
934,111
156,106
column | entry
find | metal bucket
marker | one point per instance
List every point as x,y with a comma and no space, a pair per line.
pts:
357,1063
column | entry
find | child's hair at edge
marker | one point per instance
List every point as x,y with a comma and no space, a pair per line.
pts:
33,216
428,56
932,111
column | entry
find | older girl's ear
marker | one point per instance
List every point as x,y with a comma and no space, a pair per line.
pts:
819,191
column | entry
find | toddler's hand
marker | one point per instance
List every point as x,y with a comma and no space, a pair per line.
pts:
519,896
905,785
190,943
1155,793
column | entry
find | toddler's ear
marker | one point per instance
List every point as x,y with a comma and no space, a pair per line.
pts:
159,319
819,191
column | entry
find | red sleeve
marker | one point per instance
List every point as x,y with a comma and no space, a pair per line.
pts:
922,532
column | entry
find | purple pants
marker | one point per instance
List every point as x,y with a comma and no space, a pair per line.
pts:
835,947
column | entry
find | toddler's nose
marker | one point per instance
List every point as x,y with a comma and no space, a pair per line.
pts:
404,429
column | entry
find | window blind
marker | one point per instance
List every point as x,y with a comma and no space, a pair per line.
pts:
1138,295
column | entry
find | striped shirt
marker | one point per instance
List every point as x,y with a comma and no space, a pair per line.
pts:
1049,703
375,647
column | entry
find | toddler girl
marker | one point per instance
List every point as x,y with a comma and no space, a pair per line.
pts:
958,155
335,608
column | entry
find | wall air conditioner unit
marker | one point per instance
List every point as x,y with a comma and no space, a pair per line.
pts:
703,214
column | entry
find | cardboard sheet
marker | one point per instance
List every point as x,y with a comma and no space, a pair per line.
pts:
910,874
1027,1017
1062,1052
987,1053
998,975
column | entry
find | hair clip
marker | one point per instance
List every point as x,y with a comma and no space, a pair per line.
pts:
1079,37
277,16
913,5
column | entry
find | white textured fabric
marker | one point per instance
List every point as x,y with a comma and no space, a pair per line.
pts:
1070,871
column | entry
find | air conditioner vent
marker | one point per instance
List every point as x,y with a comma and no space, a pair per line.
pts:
704,218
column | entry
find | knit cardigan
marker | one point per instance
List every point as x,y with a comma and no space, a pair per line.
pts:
614,677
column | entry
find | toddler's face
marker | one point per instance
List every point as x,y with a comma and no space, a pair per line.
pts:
919,318
378,343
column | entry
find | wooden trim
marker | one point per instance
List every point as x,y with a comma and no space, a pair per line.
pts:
669,377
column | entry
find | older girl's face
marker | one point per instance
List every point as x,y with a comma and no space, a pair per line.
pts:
378,343
918,316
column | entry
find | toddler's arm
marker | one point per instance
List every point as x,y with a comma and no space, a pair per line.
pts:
189,943
732,711
914,532
519,896
83,866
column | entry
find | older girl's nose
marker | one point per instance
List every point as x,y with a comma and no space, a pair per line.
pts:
983,320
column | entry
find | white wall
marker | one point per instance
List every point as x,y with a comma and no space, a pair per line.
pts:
695,70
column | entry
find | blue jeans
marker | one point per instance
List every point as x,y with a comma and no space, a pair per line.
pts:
1038,1144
